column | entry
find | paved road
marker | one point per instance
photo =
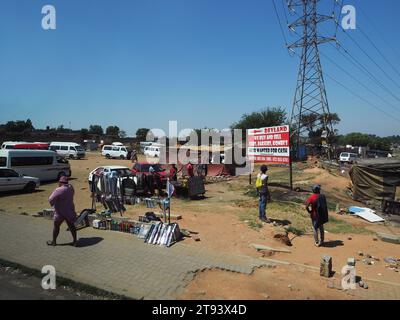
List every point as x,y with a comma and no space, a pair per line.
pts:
16,285
113,261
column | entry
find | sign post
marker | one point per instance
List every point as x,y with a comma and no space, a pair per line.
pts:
290,169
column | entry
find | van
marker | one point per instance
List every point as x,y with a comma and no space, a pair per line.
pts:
68,150
32,146
45,165
152,151
144,145
10,144
120,152
347,157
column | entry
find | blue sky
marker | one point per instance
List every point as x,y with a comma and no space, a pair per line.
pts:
140,63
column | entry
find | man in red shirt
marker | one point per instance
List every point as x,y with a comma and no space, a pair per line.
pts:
190,170
318,209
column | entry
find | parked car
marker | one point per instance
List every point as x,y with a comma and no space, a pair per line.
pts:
123,171
144,168
347,157
144,145
45,165
152,151
118,152
69,150
10,180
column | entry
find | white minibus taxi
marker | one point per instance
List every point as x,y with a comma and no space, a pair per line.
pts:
42,164
70,150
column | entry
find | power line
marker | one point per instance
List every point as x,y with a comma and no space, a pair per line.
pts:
359,82
284,11
369,57
380,52
362,98
359,66
365,70
280,23
378,31
340,15
358,96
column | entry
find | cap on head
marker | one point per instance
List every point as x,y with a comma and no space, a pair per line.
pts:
264,168
316,188
63,180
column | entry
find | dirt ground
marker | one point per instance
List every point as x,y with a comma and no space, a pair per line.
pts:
279,283
226,220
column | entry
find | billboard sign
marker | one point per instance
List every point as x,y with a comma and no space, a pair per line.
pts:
269,145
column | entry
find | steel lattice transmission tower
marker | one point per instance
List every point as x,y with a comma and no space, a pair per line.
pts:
310,101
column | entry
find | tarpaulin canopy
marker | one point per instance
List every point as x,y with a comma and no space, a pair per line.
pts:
375,179
216,170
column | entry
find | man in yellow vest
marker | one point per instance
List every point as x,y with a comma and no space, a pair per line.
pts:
263,192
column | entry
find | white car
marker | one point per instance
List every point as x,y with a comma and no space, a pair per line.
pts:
152,151
117,152
123,171
11,180
347,157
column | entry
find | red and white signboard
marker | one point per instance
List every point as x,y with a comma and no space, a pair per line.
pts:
269,145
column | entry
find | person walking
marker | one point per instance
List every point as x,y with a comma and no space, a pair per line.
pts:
173,173
317,207
263,192
62,200
134,157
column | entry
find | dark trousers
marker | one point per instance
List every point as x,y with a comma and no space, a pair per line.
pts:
262,206
318,229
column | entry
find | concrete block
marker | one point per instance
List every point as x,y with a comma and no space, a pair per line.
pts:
326,266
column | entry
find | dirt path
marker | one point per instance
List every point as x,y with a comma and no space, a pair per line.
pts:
223,219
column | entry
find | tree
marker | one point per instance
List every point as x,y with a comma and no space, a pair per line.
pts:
84,133
269,117
61,129
29,125
122,134
366,140
96,129
112,131
19,126
314,123
141,134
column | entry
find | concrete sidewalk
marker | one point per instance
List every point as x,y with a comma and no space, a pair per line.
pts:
113,261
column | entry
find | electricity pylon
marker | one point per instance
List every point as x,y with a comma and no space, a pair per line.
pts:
310,105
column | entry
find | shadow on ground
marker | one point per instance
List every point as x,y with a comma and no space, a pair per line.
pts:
333,244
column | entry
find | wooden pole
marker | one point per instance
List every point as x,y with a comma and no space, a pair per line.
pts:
290,170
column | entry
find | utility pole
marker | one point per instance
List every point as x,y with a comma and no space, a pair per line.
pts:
310,105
